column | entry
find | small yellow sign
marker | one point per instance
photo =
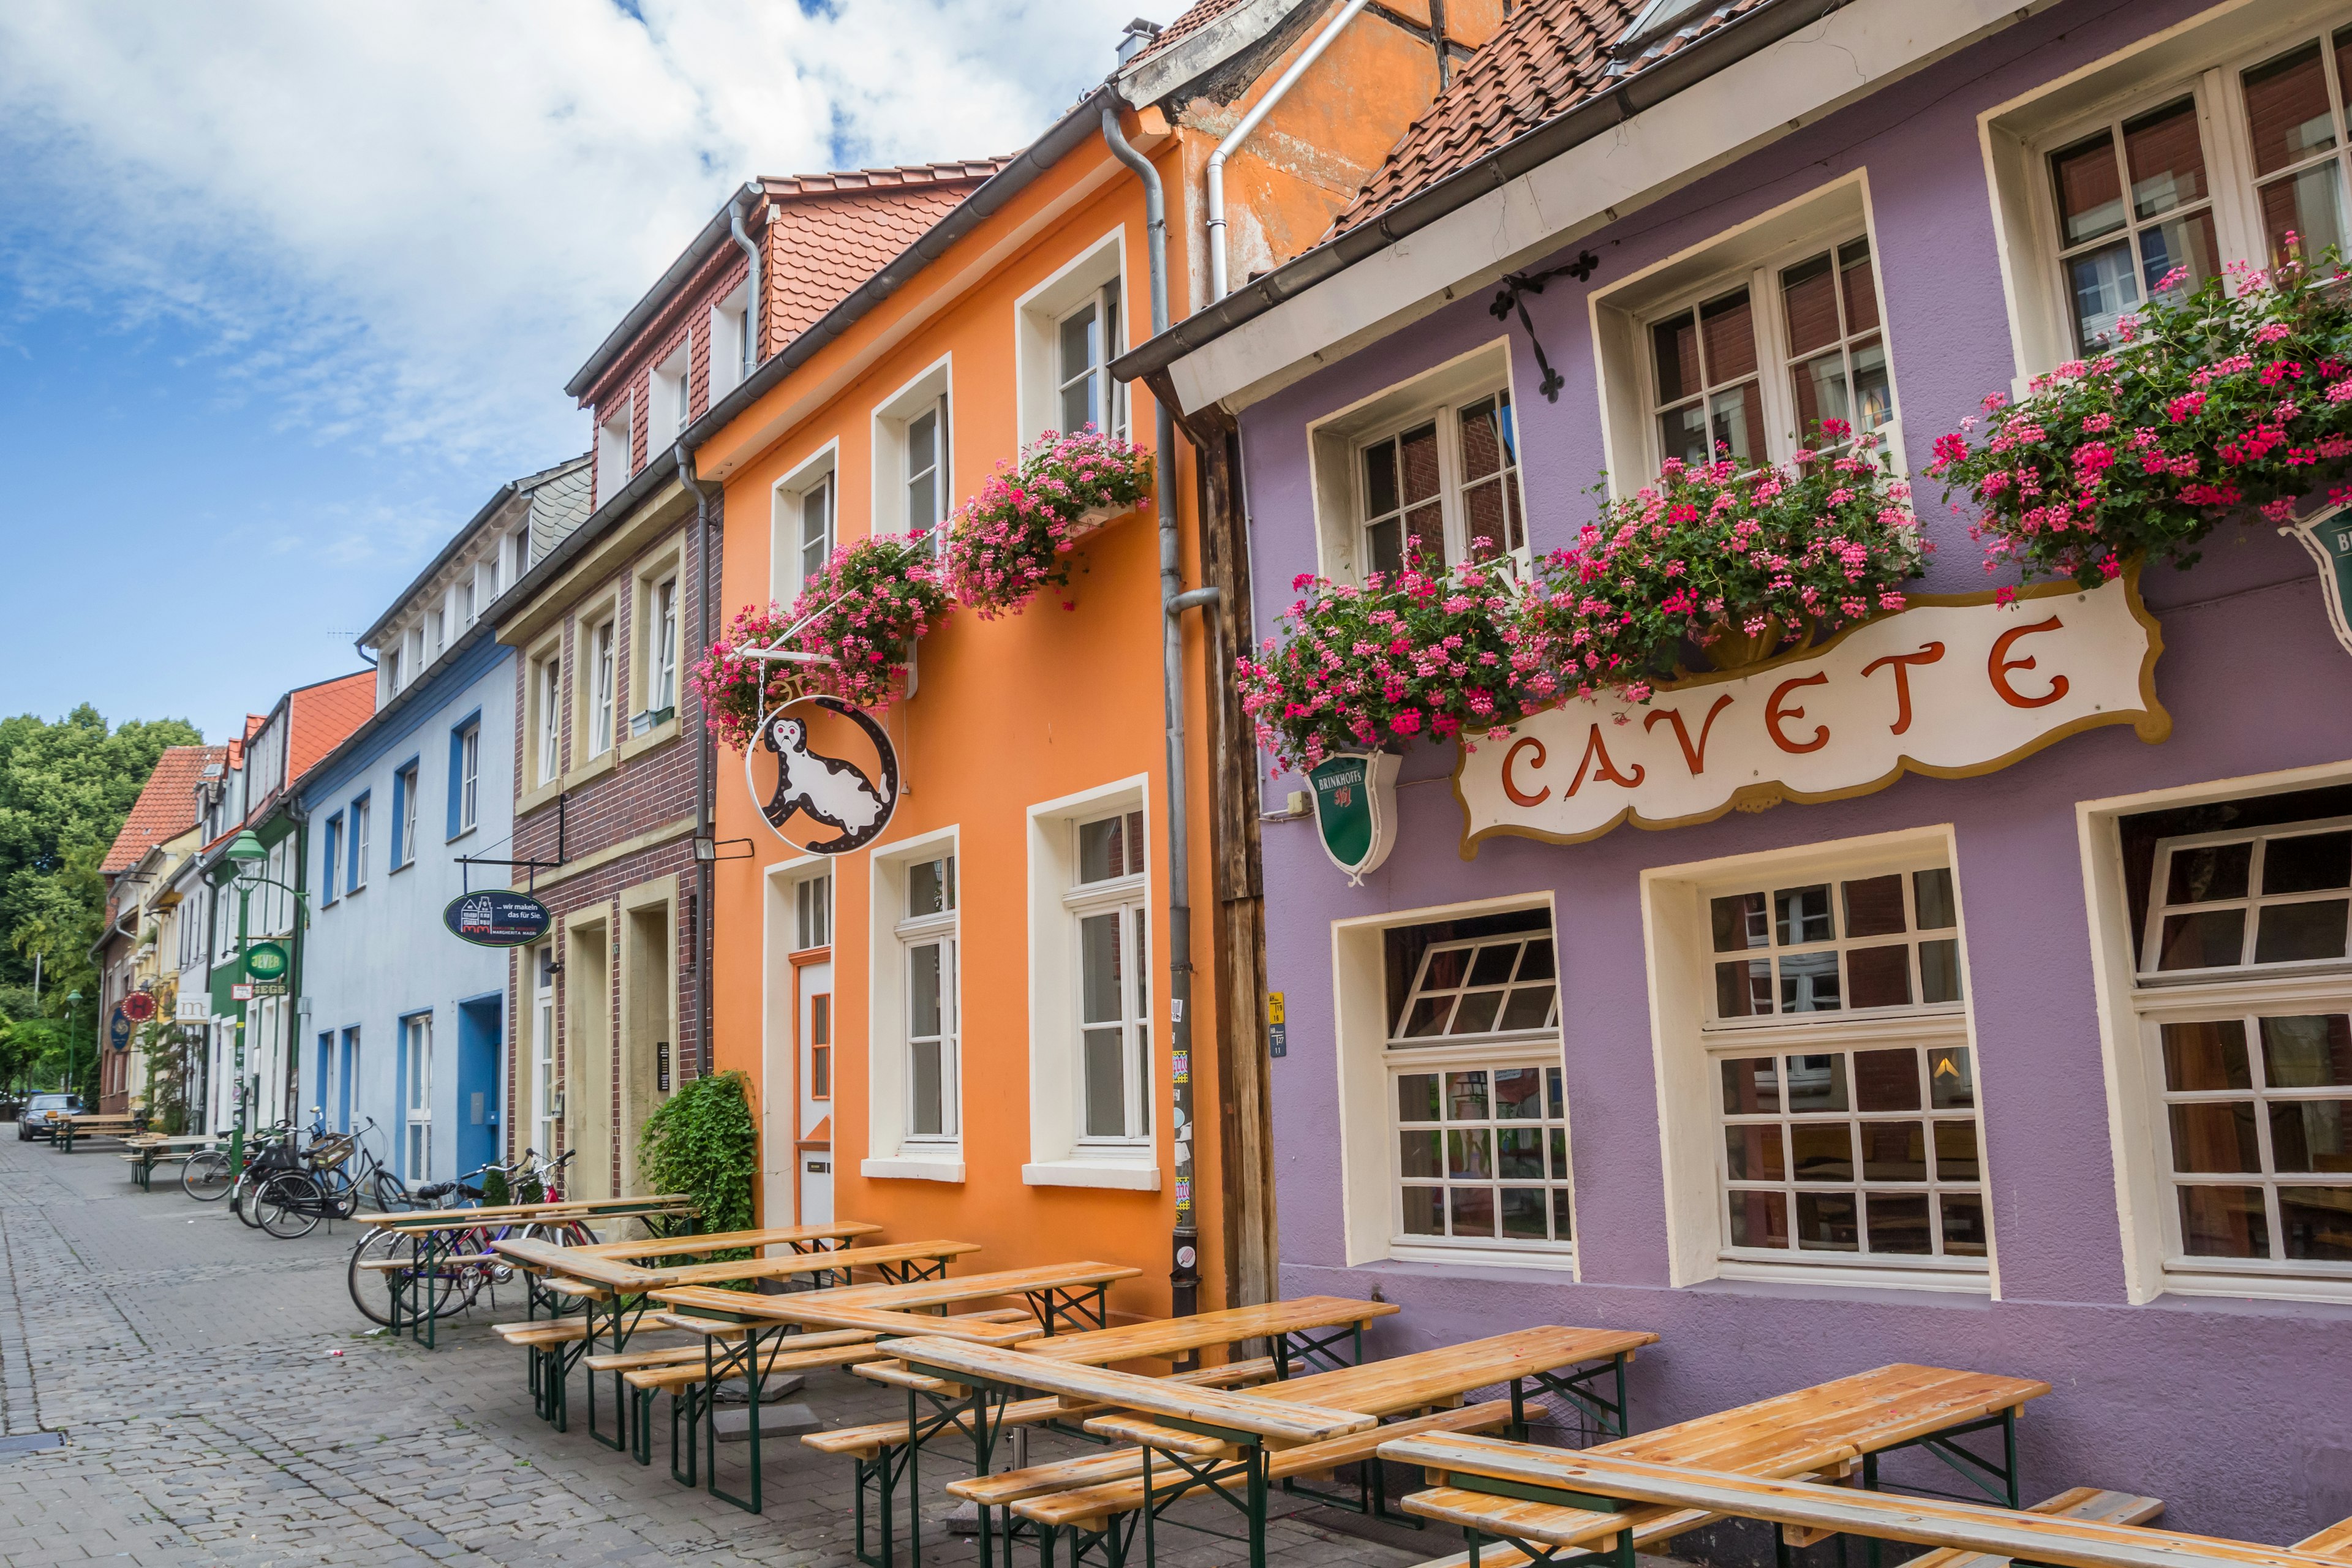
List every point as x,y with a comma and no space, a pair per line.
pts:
1274,1008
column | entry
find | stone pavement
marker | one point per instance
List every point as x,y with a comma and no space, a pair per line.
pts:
222,1403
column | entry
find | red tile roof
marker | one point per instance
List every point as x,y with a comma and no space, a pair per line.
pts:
166,807
319,716
1191,20
1549,56
832,232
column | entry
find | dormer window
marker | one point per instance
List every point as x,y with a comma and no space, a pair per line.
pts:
667,396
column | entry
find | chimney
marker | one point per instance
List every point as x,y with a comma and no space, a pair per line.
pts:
1138,33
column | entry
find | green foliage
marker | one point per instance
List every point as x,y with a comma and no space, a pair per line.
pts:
703,1142
165,1046
495,1194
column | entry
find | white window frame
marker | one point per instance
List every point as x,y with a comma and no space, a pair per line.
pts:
2203,58
405,781
661,691
1061,1152
360,810
546,1086
1038,314
724,347
1689,1045
600,652
811,913
895,1152
786,576
616,449
416,1096
930,392
669,387
655,651
469,774
1451,481
546,697
1336,444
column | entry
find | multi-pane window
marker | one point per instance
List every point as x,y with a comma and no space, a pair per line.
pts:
541,966
2294,129
1445,488
359,814
330,859
927,935
1869,1153
404,785
1114,980
466,602
1086,341
1480,1114
1843,1085
2134,205
821,1046
2258,1109
664,684
547,746
927,468
602,694
810,518
469,776
417,1095
813,912
1710,394
1885,940
2228,900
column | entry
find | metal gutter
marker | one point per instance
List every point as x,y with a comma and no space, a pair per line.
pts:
655,300
375,722
1595,116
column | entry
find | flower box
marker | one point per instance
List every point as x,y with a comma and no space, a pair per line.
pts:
1015,536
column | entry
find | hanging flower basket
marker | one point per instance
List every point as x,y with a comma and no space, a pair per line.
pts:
861,611
1747,564
2232,401
1014,537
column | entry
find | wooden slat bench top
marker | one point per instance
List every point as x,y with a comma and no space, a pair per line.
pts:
1088,1507
542,1332
548,1257
567,1208
612,1273
678,1356
720,1241
2076,1502
1439,1376
973,1287
2334,1542
878,1307
1168,1338
1926,1522
785,1357
869,1440
999,1318
1278,1423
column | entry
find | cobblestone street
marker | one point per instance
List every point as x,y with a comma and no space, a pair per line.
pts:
219,1401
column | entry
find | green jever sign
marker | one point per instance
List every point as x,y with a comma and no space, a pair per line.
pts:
264,960
2329,540
1355,810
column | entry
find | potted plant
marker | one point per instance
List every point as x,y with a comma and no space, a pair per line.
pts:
2230,401
1744,563
872,599
1014,537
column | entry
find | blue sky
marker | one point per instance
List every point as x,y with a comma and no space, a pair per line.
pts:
286,291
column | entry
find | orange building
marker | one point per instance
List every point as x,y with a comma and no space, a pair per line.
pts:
976,1026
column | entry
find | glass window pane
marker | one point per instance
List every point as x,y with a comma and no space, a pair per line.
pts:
2290,933
1524,1214
2224,1222
1898,1223
1738,922
1682,434
2309,863
1559,1154
1102,849
1801,915
1809,984
1105,1084
1736,425
2309,1052
2210,1054
2090,189
1380,479
1419,463
1518,1094
1528,1008
1428,1017
1552,1093
1466,1097
1445,969
1476,1015
923,989
1536,961
1951,1079
1860,289
1821,1151
1417,1154
2309,1135
1878,976
2208,874
1727,330
1674,353
1424,1212
2103,288
1102,998
1743,989
1759,1219
1384,544
1519,1153
1886,1080
924,1059
2315,1224
1825,1222
1964,1224
2167,159
2213,939
2209,1138
1895,1151
1493,964
1417,1096
1809,297
1469,1151
1873,907
1753,1154
930,888
1472,1210
1816,1084
1751,1085
2287,114
1562,1227
2183,242
1481,440
1819,386
2307,206
1939,970
1486,522
1956,1151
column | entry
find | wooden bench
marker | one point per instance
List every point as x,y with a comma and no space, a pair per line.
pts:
2334,1543
866,1442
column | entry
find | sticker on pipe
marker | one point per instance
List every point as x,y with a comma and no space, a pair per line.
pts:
824,774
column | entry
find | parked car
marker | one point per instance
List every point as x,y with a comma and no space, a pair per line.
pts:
33,1120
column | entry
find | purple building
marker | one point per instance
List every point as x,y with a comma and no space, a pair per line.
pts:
2023,1044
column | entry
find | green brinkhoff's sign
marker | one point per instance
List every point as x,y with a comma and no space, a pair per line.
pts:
1355,810
2328,537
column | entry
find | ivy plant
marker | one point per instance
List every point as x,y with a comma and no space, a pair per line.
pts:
703,1142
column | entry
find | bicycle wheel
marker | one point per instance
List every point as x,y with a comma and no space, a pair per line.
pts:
341,1193
388,1195
241,1196
289,1204
205,1176
372,1287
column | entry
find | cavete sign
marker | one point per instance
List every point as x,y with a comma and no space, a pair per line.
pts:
1950,687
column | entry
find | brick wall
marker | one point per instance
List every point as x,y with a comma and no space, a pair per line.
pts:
630,375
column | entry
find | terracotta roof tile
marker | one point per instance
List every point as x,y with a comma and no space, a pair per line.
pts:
826,244
319,716
1549,56
1189,21
166,805
900,177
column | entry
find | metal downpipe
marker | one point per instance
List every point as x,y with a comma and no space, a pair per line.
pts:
753,280
705,765
1240,134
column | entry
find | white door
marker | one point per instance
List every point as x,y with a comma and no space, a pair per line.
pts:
814,1032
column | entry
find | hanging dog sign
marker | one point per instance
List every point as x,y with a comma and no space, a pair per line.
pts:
1355,810
834,774
2328,537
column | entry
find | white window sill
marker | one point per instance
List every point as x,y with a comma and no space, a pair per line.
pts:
910,1169
1559,1260
2251,1287
1968,1281
1130,1175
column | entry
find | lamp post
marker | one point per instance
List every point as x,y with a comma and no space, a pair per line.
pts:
246,851
73,1005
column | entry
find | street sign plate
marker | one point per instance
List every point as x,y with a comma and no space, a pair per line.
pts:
495,918
241,992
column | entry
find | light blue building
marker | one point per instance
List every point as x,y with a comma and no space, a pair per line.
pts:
401,1022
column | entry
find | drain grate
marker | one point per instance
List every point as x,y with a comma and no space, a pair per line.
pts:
30,1443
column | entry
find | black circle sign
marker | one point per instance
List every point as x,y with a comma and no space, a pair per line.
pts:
833,792
494,918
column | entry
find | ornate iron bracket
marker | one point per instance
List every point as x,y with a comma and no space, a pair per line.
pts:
1511,297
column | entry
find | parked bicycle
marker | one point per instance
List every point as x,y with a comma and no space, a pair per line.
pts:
459,1281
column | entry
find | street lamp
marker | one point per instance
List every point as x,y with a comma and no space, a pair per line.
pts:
246,851
73,1005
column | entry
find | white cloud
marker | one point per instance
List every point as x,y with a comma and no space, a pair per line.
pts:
411,224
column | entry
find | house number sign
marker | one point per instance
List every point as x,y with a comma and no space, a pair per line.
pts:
1951,686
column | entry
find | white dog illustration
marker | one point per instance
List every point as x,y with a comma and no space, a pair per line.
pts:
832,791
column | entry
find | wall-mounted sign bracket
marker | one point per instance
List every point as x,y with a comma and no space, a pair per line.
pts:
1511,297
467,862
